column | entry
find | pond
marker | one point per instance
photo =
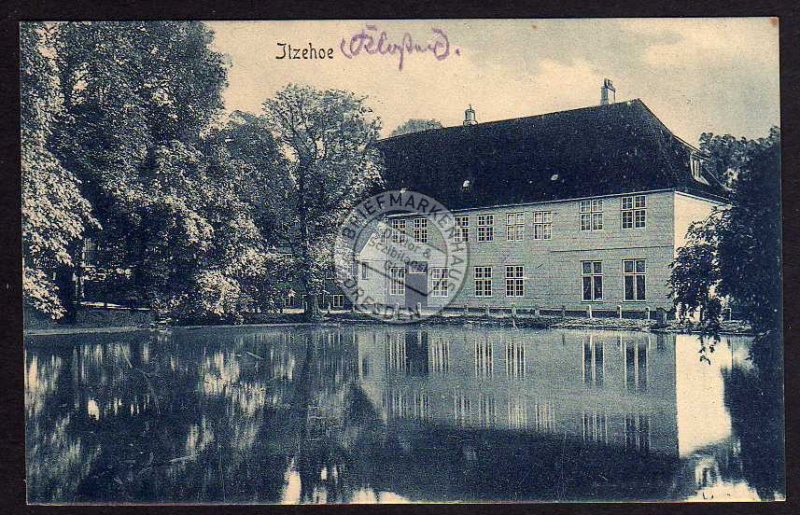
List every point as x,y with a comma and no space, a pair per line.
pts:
394,414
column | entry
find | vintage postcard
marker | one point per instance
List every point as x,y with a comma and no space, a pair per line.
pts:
420,261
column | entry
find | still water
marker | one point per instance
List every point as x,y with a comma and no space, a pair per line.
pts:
393,414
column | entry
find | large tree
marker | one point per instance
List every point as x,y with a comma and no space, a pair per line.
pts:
54,213
725,155
244,161
138,99
327,140
736,252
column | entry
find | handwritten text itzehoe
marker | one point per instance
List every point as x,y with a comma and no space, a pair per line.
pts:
372,41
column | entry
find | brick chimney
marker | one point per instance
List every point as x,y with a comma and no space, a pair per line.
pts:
604,97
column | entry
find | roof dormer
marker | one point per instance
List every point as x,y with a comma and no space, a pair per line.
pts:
696,167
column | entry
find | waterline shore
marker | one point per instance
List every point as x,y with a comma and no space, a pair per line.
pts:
347,318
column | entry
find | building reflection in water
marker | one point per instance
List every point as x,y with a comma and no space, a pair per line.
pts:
603,400
385,414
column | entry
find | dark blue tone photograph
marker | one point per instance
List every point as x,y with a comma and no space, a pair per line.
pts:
406,261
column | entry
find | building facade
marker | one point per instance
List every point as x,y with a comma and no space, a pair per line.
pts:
570,211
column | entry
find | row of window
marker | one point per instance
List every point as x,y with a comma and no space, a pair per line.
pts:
633,211
419,227
336,301
515,281
635,360
634,284
482,409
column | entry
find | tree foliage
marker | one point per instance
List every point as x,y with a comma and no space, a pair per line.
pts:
197,219
694,276
725,155
244,159
736,252
54,213
139,98
329,162
134,126
416,125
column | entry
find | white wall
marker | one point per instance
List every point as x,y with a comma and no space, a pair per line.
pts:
689,209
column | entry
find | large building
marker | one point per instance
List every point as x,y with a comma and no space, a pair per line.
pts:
566,210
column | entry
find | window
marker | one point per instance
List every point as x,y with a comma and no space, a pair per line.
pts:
483,281
592,277
485,228
515,360
461,408
337,301
487,412
514,281
542,225
694,164
398,231
396,355
592,215
544,417
515,226
420,405
517,413
634,271
439,357
595,427
593,362
396,403
90,252
364,270
397,286
439,282
484,358
462,228
421,230
637,432
636,365
634,212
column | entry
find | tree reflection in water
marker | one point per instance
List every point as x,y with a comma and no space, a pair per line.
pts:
758,420
388,414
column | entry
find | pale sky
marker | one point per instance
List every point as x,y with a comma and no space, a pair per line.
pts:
697,75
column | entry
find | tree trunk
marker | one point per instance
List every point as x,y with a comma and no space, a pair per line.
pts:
66,280
312,312
66,292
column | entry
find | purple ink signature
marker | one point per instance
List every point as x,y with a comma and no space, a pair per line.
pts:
371,42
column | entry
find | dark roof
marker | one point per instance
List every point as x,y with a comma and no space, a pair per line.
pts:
586,152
